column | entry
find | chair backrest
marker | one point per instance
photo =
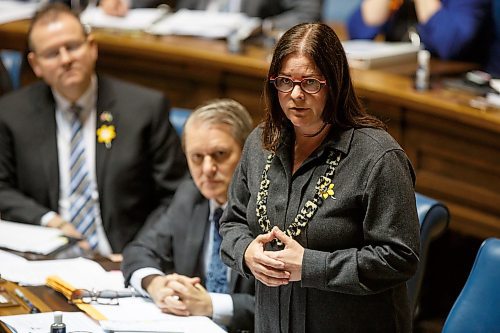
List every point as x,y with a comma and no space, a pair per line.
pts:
338,10
477,308
5,82
434,218
12,60
178,117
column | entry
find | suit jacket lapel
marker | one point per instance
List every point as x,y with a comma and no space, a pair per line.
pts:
106,115
46,129
195,238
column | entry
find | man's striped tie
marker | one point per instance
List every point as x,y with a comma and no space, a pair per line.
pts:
83,208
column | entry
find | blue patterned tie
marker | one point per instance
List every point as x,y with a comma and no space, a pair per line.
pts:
83,208
216,278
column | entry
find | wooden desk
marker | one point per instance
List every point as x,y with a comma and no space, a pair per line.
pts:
454,148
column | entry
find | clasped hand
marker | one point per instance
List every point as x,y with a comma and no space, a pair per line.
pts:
180,295
275,268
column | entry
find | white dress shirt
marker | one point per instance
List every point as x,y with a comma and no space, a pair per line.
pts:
63,121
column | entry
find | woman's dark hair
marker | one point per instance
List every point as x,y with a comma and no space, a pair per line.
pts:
343,109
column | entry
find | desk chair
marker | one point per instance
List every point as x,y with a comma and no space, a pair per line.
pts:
12,61
178,117
5,82
477,308
338,10
434,218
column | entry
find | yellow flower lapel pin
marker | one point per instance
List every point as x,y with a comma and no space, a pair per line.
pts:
106,134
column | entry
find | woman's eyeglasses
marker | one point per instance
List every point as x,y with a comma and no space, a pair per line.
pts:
286,84
104,297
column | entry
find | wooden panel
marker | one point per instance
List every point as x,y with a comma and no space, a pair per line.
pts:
459,165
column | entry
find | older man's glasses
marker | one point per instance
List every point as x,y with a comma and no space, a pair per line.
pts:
105,297
286,84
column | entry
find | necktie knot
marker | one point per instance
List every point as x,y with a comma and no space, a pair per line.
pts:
216,217
75,111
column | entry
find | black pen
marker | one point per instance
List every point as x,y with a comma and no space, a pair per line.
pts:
33,309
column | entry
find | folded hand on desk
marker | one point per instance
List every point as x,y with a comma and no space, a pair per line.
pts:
68,230
180,295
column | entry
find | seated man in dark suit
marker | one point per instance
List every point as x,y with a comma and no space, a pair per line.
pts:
175,255
90,155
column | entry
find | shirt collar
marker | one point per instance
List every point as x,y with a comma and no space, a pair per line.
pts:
87,101
214,205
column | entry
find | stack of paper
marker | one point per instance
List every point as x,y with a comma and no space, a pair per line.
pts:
40,322
16,10
136,19
366,54
30,238
201,23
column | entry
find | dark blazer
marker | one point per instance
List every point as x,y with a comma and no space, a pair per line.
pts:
174,243
137,174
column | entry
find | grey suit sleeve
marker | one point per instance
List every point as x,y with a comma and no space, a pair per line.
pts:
152,247
244,309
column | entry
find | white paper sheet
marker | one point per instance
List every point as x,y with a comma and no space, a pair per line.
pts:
206,24
136,19
142,315
40,322
30,238
365,54
79,272
16,10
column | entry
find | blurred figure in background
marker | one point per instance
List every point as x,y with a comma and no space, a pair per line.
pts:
449,29
281,14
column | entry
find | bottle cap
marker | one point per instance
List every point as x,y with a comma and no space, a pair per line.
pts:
58,317
423,57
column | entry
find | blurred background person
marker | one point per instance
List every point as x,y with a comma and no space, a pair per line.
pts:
321,209
280,14
179,254
85,153
449,29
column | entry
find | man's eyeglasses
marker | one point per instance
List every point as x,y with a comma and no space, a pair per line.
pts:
71,48
286,84
104,297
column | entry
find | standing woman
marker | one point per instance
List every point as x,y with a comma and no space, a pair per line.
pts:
321,208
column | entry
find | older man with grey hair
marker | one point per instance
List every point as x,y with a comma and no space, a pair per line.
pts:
176,260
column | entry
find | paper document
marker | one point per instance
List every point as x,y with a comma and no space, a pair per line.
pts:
207,24
40,322
30,238
80,272
136,19
142,315
16,10
366,54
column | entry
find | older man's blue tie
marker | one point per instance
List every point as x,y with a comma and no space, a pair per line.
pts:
83,207
216,277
